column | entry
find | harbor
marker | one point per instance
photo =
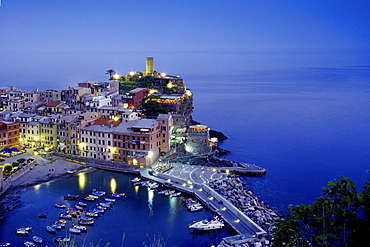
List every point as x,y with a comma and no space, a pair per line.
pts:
211,186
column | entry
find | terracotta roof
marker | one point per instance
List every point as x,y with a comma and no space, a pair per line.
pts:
53,103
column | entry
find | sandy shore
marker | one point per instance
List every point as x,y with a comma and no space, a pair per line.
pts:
48,168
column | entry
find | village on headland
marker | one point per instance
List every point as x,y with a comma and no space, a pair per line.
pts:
139,123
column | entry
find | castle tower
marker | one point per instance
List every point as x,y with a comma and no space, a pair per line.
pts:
149,66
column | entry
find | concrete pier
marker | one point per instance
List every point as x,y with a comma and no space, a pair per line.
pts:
235,218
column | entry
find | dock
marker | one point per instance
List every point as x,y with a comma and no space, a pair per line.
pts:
231,215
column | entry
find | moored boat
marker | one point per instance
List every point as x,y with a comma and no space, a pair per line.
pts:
81,228
163,192
60,205
86,222
74,230
175,194
65,216
71,197
91,214
135,180
170,192
61,240
23,231
210,223
6,244
42,215
28,243
118,194
37,239
51,230
194,207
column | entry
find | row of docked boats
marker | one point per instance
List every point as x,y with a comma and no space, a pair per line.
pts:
79,211
191,204
25,231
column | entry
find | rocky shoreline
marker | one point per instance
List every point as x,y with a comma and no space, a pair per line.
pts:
233,189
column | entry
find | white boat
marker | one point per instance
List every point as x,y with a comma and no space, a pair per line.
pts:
37,239
210,223
81,228
170,192
60,205
135,180
162,192
28,243
175,194
194,207
74,230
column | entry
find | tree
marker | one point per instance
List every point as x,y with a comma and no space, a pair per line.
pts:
153,108
111,72
8,168
334,219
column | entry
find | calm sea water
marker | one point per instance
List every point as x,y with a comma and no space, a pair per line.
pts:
141,217
306,126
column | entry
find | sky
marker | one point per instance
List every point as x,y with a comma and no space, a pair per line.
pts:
75,39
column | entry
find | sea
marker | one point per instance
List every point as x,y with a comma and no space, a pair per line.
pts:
305,117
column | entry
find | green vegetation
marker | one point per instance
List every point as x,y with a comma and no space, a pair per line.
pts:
20,161
131,82
153,108
8,168
338,218
15,164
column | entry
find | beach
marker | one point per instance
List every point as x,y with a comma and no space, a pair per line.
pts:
45,169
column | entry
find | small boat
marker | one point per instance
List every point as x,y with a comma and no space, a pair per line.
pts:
28,243
194,207
56,226
71,197
65,216
106,205
210,223
6,244
93,196
60,205
170,192
175,194
61,240
78,207
97,209
81,228
86,218
82,204
98,193
91,214
153,186
23,231
37,239
90,199
118,195
109,199
51,230
42,216
135,180
86,222
61,221
74,230
70,172
163,192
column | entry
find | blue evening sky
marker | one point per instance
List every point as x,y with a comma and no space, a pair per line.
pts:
64,36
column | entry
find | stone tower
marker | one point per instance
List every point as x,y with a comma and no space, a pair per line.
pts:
149,66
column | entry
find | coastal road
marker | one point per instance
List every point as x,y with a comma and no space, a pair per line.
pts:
200,174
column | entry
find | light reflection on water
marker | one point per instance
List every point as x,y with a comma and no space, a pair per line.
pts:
150,201
82,180
113,185
140,214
